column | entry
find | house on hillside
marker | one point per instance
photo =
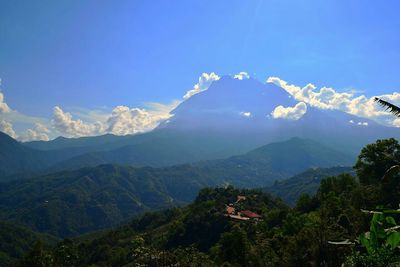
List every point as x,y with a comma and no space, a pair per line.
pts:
234,211
230,210
249,214
238,217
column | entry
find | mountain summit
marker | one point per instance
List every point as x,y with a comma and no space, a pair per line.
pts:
258,113
230,118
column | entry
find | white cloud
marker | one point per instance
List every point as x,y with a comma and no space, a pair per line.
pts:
38,133
7,128
4,108
329,98
351,121
325,98
121,121
290,113
245,114
205,81
124,120
242,76
63,123
396,122
362,123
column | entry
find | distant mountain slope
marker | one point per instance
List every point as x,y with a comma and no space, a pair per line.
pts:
276,161
231,117
62,142
242,109
69,203
159,148
306,182
17,160
14,157
75,202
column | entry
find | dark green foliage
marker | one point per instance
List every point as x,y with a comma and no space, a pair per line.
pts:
375,159
199,234
16,241
372,164
382,243
378,236
275,161
380,258
304,183
70,203
233,247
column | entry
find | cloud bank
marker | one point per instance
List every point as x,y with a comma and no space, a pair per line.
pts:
329,98
204,82
290,113
242,76
38,133
4,108
7,128
121,121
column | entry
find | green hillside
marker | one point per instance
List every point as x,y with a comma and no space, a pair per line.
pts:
70,203
289,190
222,227
14,157
202,235
16,241
277,161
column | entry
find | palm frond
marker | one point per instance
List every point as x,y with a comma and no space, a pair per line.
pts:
391,172
395,110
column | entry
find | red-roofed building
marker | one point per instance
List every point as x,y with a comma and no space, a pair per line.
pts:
249,214
237,217
230,210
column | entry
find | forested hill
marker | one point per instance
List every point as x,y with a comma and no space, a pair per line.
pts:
289,190
75,202
16,241
203,234
246,227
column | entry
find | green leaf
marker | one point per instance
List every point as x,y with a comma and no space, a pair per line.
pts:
393,240
390,220
365,242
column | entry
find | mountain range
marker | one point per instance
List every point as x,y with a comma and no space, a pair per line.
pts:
232,117
69,203
225,135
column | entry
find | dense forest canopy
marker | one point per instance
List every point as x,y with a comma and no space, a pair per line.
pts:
325,229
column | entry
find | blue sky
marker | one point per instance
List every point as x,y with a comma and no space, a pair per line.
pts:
96,55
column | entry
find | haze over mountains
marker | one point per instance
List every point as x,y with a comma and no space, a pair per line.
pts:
232,117
238,132
231,133
75,202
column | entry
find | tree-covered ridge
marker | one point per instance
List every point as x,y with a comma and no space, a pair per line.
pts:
16,241
327,229
306,182
70,203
